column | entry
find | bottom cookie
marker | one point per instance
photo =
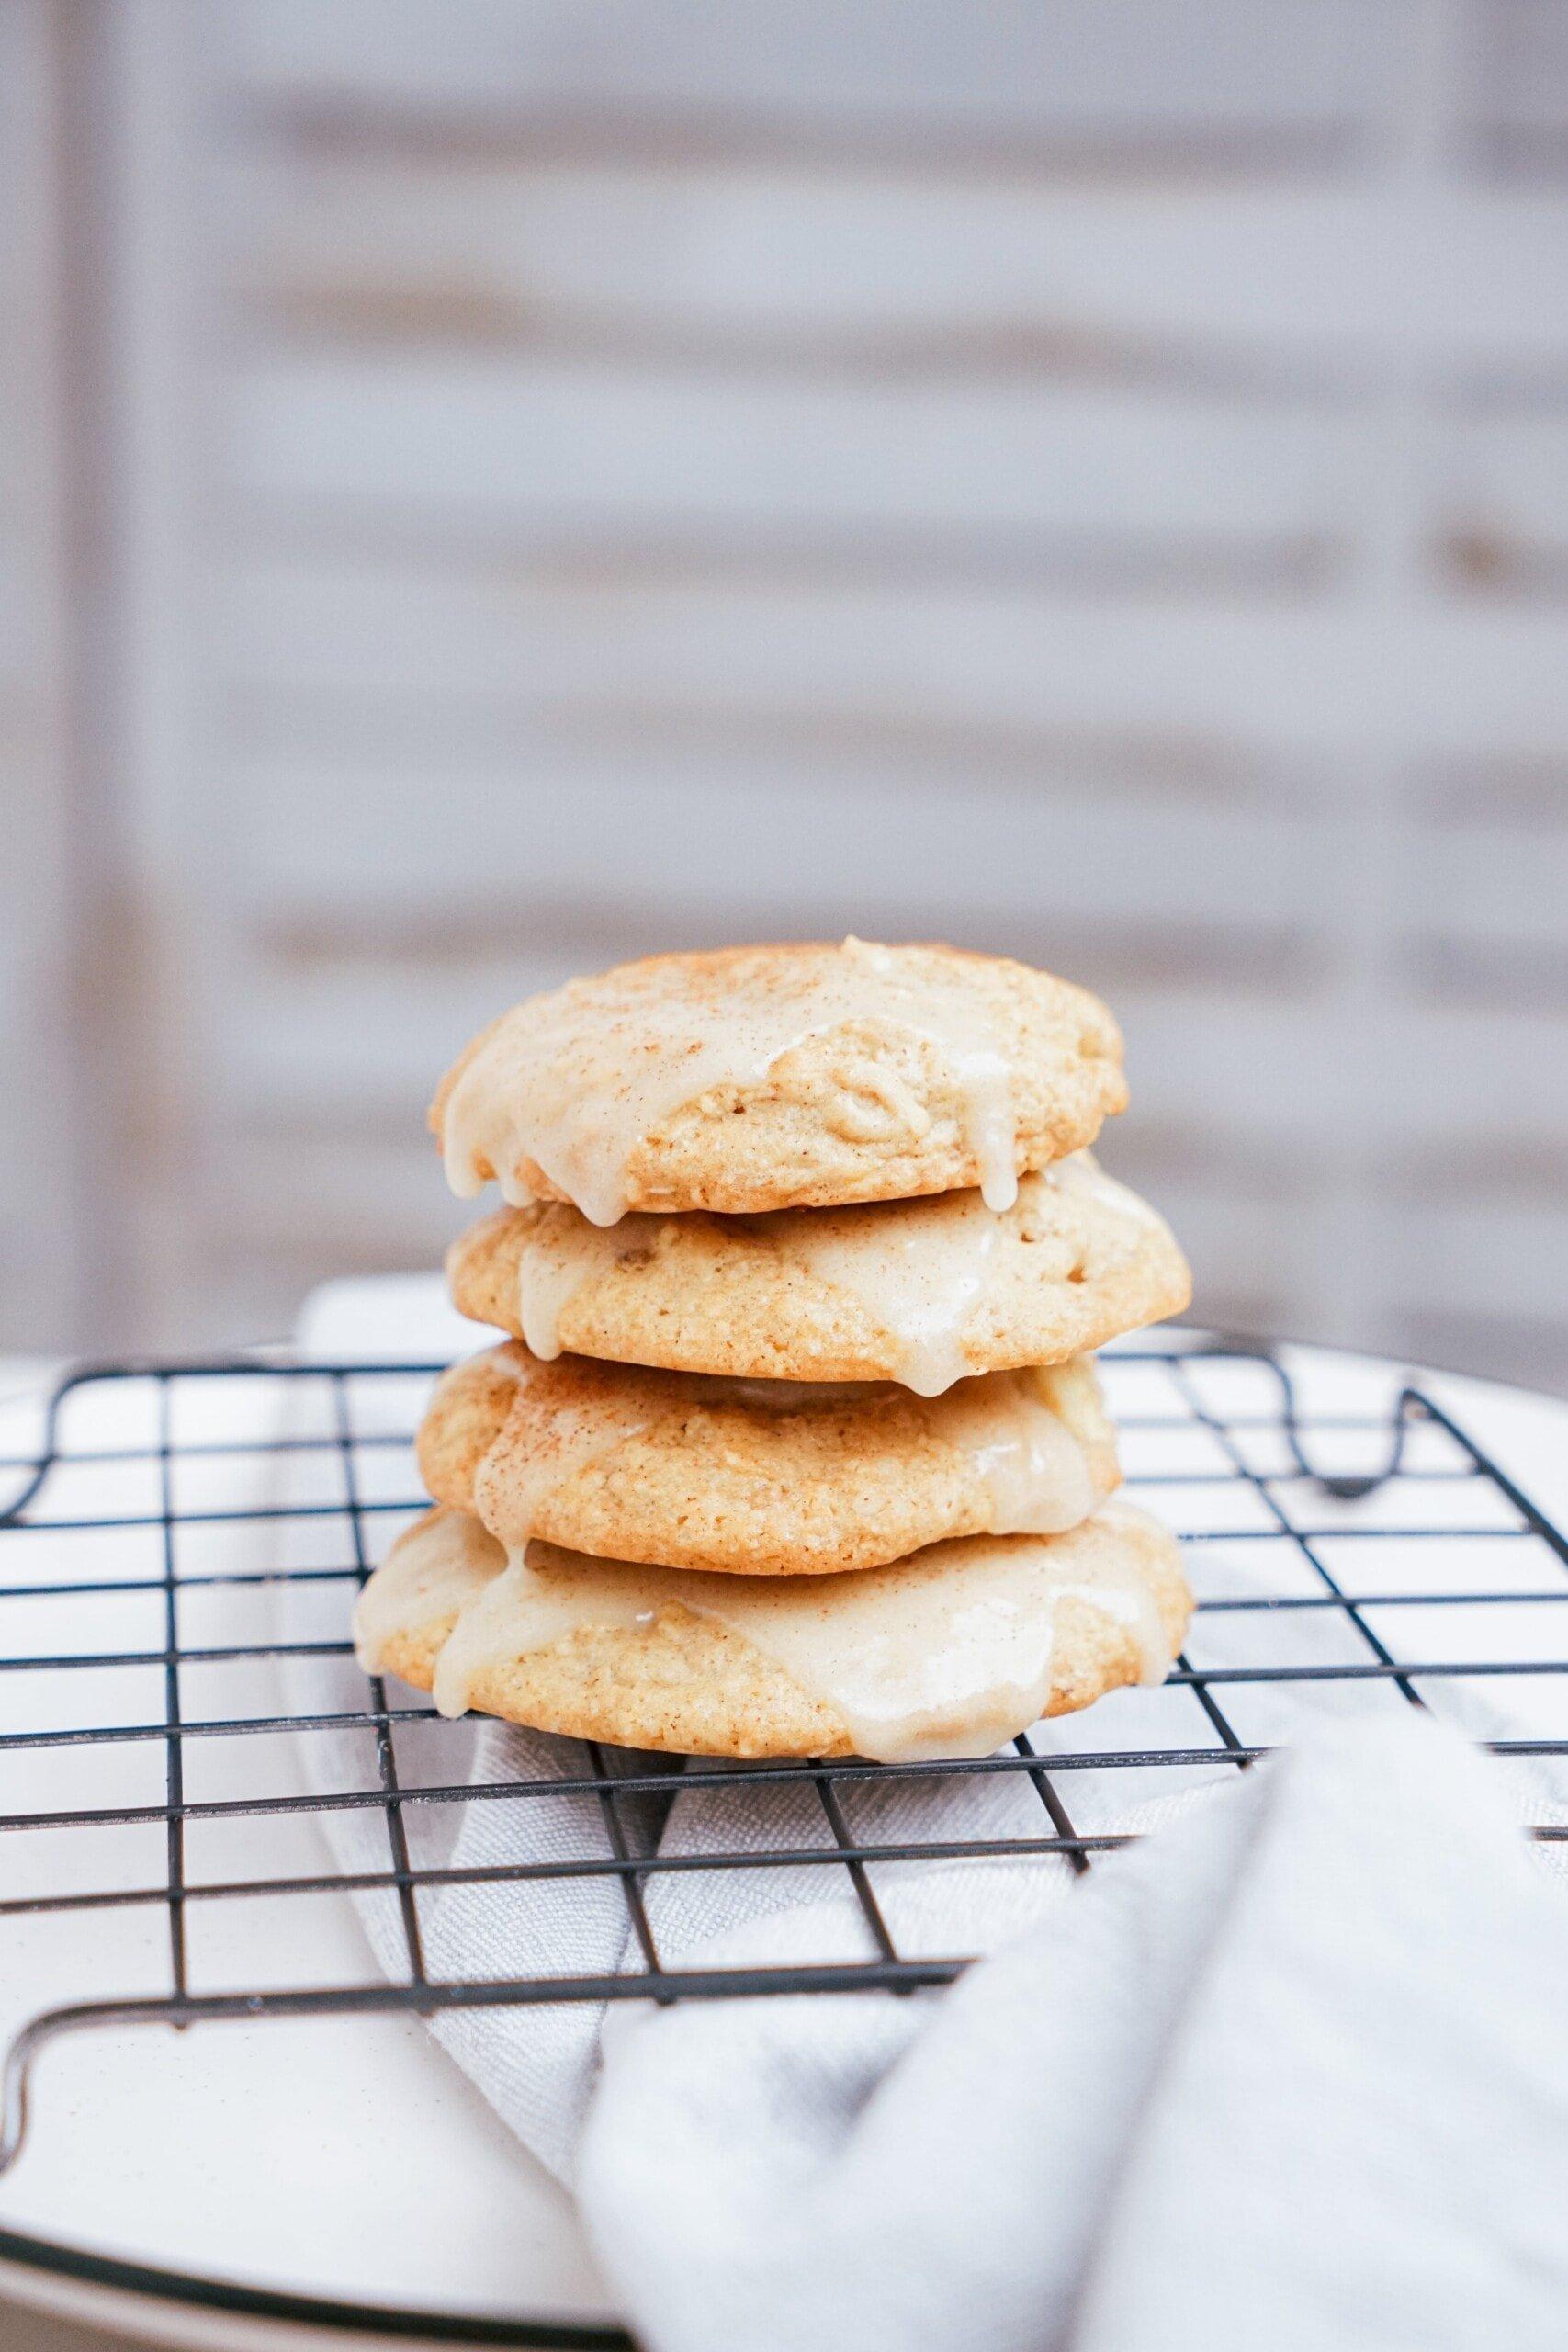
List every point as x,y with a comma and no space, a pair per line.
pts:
948,1653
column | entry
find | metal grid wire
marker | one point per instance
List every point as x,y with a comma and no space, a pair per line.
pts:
1403,1522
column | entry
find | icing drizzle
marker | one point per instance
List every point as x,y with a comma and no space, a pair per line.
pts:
435,1567
575,1081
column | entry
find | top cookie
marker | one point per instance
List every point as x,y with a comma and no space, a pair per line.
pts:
754,1079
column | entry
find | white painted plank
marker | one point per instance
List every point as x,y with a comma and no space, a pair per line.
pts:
20,619
1309,684
304,833
1490,1254
1506,478
1519,93
564,448
1475,881
324,1200
1266,1071
1133,63
370,1041
1330,277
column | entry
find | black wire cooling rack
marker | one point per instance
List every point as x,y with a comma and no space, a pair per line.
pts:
143,1510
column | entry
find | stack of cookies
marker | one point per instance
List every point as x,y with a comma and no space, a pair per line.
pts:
796,1446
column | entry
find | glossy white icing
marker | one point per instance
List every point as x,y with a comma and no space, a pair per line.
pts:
436,1566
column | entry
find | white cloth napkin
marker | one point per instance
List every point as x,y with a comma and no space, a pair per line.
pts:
1290,2072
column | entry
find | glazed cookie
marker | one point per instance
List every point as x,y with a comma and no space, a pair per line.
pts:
761,1478
922,1291
754,1079
950,1653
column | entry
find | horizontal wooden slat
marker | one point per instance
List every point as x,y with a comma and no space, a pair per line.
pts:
369,1038
306,834
1275,1090
880,276
1303,686
1353,1088
1506,496
1518,94
1460,1164
1474,882
557,452
1496,973
372,1196
1127,65
18,593
1508,795
1458,1071
1485,1255
485,736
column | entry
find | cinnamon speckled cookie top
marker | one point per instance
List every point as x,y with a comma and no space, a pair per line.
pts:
749,1080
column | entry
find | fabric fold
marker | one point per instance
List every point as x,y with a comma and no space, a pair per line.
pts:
1290,2071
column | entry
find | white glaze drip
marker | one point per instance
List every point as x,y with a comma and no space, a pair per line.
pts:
1033,1469
552,1270
948,1653
435,1567
918,1268
919,1272
573,1082
561,1255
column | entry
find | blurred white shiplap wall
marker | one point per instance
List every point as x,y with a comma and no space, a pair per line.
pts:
539,480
